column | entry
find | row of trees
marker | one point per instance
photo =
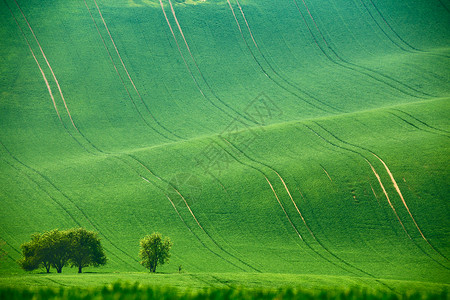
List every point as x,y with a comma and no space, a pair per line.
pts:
81,248
57,248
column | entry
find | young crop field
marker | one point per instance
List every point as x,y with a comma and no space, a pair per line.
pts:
279,144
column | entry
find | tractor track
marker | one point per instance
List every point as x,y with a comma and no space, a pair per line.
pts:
193,216
277,75
123,82
340,61
46,179
298,211
48,64
382,186
188,227
241,116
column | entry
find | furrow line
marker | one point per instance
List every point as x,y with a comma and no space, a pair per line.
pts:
381,28
48,64
395,186
420,121
45,192
128,75
361,69
416,127
387,197
121,79
189,69
384,191
193,215
444,6
404,203
46,179
301,216
37,62
198,68
276,73
390,27
328,175
270,184
49,88
188,227
66,129
284,210
371,166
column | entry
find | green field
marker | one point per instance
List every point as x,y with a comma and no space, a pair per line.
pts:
278,143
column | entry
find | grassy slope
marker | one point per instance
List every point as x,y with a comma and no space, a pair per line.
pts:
355,85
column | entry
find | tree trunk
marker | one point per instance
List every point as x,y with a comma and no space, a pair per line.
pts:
47,267
79,269
59,270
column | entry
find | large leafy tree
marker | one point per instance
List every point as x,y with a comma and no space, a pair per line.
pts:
45,250
85,249
55,248
35,254
154,251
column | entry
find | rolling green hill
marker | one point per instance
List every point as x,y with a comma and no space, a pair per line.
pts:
298,137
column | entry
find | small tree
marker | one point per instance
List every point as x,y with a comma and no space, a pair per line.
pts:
154,251
85,249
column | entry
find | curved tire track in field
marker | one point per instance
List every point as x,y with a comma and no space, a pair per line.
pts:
387,197
194,217
35,59
328,175
268,181
417,126
422,122
188,227
393,180
397,189
284,210
299,213
198,69
405,44
123,82
48,64
276,73
39,187
129,77
46,179
292,224
444,6
48,85
340,61
65,128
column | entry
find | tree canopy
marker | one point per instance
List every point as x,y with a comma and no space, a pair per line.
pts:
57,248
49,249
154,251
85,249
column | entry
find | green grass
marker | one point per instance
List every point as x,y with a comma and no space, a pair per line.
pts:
128,291
213,286
299,193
